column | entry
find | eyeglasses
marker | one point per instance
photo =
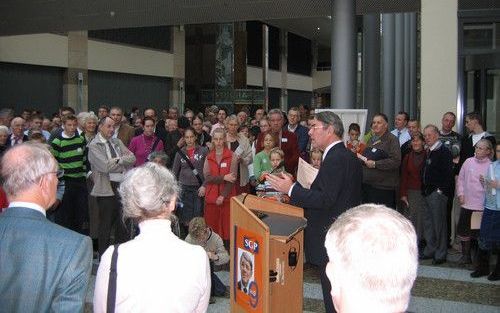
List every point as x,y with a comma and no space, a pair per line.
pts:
314,127
59,174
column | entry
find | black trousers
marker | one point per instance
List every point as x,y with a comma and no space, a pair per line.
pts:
110,218
386,197
73,213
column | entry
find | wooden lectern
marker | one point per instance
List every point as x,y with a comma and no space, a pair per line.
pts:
266,272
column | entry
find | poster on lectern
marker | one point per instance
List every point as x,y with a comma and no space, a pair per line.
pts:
247,270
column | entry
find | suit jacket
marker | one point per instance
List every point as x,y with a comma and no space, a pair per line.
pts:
126,133
43,266
302,134
336,189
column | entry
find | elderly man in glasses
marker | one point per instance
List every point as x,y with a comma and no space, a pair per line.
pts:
44,267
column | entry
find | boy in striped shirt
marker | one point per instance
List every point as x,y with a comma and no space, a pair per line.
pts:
70,151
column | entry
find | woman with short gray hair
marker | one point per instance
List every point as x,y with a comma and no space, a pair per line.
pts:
168,265
4,135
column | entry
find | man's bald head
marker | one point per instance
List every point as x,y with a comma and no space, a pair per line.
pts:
23,165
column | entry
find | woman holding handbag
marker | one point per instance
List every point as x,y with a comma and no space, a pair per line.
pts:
188,168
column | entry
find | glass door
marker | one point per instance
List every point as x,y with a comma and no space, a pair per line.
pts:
482,90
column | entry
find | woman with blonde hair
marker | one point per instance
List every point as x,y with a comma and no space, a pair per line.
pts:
220,175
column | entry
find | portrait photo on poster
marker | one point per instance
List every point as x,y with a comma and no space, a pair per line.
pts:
245,270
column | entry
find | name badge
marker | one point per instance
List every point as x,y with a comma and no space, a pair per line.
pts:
264,161
284,139
374,150
224,164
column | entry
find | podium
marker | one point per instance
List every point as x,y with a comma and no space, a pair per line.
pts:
266,271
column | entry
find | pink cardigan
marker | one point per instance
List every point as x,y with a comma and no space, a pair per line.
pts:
468,184
139,146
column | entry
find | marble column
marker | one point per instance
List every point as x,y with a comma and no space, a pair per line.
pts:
75,87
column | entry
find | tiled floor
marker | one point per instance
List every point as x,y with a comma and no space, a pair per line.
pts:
438,289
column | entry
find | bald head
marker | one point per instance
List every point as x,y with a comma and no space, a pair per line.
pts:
23,166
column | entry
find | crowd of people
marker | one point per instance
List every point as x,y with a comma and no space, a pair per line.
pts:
143,179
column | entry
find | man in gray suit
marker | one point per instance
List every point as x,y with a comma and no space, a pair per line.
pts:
43,266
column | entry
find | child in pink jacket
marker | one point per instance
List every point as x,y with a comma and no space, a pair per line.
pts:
471,193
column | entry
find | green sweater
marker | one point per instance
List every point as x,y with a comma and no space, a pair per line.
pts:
70,153
261,163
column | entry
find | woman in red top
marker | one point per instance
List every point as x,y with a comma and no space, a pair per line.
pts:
410,185
220,174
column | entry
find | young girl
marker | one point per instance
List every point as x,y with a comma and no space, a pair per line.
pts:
470,193
262,162
265,190
277,156
353,143
315,158
489,238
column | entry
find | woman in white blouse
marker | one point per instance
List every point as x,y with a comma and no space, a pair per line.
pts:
156,271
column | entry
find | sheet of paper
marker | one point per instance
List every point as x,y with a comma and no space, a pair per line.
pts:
475,220
306,173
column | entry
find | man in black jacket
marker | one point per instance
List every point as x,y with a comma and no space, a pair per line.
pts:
436,188
336,189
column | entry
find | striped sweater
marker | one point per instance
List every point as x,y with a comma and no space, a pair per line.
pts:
71,155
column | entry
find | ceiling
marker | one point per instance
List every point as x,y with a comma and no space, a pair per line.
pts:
40,16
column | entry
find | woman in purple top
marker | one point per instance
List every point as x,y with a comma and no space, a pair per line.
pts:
142,145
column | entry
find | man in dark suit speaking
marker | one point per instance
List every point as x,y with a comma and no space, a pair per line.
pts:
44,267
337,188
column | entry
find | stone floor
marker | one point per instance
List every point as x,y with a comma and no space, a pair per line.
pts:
438,289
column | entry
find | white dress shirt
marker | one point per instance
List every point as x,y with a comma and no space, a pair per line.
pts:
157,272
404,135
29,205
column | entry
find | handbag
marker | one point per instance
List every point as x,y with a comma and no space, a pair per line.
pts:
188,161
111,301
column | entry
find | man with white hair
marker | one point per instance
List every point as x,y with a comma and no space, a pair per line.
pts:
17,132
373,260
43,267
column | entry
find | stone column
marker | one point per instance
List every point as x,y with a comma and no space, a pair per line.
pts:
177,94
388,64
439,59
240,55
412,17
371,64
284,69
343,87
265,65
75,87
399,78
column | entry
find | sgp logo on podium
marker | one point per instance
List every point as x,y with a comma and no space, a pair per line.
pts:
251,244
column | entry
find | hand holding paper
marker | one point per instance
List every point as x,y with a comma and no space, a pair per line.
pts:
306,174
